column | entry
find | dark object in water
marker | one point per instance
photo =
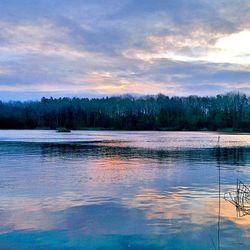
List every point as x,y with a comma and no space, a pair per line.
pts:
63,130
240,199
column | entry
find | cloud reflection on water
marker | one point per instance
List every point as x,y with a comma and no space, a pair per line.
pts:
104,189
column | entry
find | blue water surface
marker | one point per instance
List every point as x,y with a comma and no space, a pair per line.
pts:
121,190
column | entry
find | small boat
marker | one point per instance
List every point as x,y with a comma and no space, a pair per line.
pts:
63,130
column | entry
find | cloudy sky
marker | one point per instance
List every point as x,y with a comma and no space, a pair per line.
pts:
109,47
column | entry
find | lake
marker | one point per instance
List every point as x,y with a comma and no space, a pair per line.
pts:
121,190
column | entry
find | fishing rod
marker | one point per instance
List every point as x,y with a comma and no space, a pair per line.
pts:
219,218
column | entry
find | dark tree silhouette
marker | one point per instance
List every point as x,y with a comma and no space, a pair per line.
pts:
230,112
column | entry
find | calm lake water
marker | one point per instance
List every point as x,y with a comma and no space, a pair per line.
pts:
121,190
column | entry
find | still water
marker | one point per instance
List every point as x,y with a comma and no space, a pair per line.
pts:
121,190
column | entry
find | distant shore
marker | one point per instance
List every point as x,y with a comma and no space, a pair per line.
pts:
223,113
225,130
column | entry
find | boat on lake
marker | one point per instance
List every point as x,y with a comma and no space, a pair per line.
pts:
63,130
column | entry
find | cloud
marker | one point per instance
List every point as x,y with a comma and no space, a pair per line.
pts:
174,47
198,46
42,38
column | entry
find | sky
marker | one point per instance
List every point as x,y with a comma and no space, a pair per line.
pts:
94,48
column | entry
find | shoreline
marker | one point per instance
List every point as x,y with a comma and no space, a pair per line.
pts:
223,131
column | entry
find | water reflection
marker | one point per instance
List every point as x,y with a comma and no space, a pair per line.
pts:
228,155
108,195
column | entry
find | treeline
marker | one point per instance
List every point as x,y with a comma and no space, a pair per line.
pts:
230,111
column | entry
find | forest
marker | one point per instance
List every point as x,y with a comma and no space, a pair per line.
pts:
227,112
